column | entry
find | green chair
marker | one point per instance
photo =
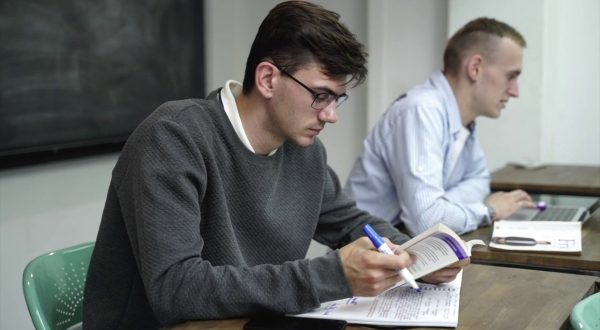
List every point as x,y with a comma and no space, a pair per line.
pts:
586,313
53,286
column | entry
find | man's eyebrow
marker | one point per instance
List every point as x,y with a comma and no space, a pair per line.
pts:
514,73
327,90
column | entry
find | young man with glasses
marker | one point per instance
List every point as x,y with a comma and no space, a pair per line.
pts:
213,203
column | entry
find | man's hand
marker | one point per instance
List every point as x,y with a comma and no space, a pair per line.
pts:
369,271
445,275
507,203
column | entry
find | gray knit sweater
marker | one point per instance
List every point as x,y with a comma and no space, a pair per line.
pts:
196,226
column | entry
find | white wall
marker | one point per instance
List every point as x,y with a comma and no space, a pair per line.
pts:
571,82
406,40
557,116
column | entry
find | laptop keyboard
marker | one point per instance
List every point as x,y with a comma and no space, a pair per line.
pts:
556,213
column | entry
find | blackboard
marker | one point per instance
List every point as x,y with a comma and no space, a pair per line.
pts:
83,73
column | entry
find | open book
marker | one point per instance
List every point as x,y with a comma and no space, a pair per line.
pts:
542,236
436,248
436,305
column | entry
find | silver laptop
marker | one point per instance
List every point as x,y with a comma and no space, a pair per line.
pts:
559,208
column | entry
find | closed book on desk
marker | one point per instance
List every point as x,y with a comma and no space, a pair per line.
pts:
542,236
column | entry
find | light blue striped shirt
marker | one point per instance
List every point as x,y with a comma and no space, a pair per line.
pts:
417,168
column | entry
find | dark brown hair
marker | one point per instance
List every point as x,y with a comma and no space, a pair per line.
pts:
296,33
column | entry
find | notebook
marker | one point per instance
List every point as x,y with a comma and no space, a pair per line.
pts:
559,208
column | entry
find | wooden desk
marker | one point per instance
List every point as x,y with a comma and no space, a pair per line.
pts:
551,179
495,298
587,263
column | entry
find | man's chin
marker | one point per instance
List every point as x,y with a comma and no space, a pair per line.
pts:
304,142
495,114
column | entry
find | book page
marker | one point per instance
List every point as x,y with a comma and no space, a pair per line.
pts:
438,251
436,305
549,236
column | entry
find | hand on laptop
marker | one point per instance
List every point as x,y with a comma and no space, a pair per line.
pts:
507,203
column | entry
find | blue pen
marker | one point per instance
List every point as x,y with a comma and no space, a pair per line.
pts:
384,248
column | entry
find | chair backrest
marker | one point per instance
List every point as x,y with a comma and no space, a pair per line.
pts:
53,286
586,313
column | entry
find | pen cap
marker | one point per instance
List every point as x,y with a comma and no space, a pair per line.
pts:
541,205
375,238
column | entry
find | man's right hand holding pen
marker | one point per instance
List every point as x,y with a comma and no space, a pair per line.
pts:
370,272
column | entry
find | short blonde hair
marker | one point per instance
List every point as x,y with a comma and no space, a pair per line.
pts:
480,33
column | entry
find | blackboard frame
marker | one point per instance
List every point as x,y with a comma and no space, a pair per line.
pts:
181,28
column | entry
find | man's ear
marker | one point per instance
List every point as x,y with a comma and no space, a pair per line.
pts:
474,67
265,77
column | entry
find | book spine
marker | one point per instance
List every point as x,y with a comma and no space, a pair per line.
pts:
457,248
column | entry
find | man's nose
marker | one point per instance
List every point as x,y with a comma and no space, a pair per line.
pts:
329,113
513,89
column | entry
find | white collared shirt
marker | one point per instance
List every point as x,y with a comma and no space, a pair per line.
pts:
420,166
229,93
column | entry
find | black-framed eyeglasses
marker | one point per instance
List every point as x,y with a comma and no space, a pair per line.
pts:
321,100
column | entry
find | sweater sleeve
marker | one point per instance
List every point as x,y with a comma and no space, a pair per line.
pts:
342,222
